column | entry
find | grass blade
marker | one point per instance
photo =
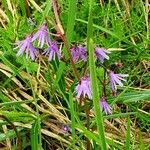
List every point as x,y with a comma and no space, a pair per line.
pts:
71,19
98,113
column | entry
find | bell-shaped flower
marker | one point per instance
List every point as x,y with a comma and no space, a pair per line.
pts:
27,47
104,106
83,88
42,36
79,53
53,51
101,54
116,79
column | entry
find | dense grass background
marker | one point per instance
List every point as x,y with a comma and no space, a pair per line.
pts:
37,97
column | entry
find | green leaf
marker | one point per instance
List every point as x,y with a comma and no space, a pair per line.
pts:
135,96
90,46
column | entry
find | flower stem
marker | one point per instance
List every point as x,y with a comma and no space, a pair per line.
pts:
87,111
60,30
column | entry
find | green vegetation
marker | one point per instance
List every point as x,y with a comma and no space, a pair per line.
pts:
38,104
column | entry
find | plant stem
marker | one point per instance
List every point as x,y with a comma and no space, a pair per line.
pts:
87,111
60,30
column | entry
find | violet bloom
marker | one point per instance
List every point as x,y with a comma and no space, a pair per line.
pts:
115,79
84,88
42,35
101,54
52,51
79,52
65,128
27,47
105,107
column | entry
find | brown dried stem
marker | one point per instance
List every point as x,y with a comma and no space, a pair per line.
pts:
60,30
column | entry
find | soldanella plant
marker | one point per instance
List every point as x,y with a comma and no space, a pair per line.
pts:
74,75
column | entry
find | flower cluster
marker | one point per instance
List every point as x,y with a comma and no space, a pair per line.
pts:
26,46
80,53
83,89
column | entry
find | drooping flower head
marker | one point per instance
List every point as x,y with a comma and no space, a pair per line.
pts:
116,79
27,47
84,88
101,54
104,106
52,51
42,35
78,53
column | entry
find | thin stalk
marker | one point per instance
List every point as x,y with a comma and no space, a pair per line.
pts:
87,111
71,59
63,36
98,113
104,83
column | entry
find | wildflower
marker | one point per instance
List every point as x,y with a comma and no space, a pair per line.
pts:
104,106
53,51
42,35
65,128
27,47
79,52
101,54
115,79
84,88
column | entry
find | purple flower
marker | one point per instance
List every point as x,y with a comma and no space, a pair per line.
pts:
42,35
101,54
79,52
27,47
84,88
104,106
115,79
65,128
52,51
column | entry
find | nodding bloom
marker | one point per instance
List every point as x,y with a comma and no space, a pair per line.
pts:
101,54
42,35
104,106
52,51
84,88
27,47
78,53
115,79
